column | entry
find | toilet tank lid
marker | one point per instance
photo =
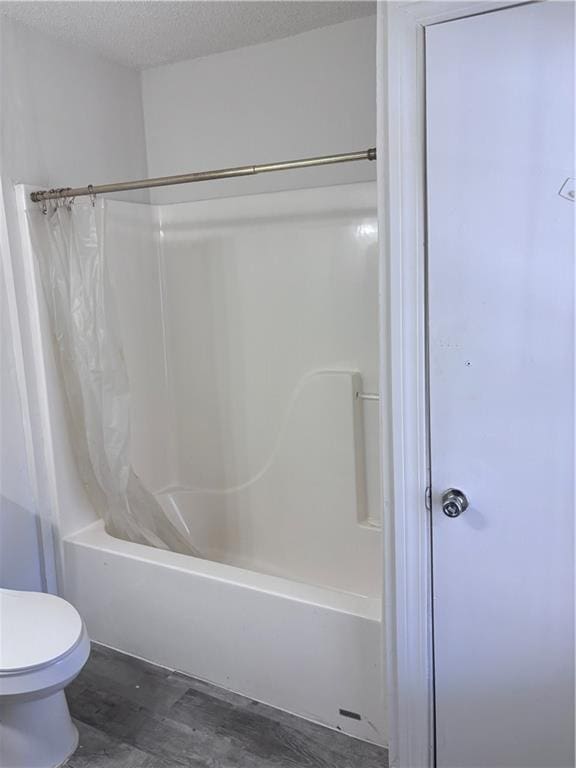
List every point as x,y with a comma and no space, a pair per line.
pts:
36,629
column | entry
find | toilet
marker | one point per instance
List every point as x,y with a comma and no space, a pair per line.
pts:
43,647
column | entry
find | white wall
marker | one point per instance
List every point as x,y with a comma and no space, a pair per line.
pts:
14,473
19,562
66,117
311,94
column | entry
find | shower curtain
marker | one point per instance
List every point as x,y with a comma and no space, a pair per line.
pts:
68,239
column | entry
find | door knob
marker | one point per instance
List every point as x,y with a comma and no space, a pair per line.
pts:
454,502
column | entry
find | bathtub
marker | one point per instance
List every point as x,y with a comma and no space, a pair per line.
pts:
309,650
285,606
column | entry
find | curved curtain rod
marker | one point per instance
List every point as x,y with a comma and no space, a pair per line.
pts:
188,178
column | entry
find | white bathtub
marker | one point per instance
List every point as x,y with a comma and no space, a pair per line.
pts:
276,478
308,650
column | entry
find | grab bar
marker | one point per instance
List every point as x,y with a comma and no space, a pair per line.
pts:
367,396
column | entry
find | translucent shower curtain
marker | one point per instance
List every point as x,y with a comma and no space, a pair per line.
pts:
69,243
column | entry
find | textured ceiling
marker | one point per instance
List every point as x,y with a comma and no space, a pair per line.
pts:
146,33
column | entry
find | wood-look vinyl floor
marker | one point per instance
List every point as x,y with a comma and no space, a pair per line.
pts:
131,714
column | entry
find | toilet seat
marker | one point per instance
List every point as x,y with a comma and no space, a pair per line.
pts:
36,630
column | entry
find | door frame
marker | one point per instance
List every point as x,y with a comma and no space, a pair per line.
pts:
407,594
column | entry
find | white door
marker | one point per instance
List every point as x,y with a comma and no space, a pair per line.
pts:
500,146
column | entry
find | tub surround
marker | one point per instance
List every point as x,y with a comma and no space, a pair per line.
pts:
249,325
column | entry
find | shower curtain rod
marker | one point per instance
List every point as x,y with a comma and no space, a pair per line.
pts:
188,178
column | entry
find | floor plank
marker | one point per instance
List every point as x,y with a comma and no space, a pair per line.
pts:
99,750
136,715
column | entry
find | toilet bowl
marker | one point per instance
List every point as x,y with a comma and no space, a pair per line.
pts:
43,647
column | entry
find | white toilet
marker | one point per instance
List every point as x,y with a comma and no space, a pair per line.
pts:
43,647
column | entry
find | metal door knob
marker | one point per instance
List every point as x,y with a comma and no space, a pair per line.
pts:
454,502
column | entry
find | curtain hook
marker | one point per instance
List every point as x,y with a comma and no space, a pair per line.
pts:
92,195
68,200
53,202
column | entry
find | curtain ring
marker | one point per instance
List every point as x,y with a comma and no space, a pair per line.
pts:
92,195
53,201
44,206
68,200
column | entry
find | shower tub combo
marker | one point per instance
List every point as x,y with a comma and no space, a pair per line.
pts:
249,328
